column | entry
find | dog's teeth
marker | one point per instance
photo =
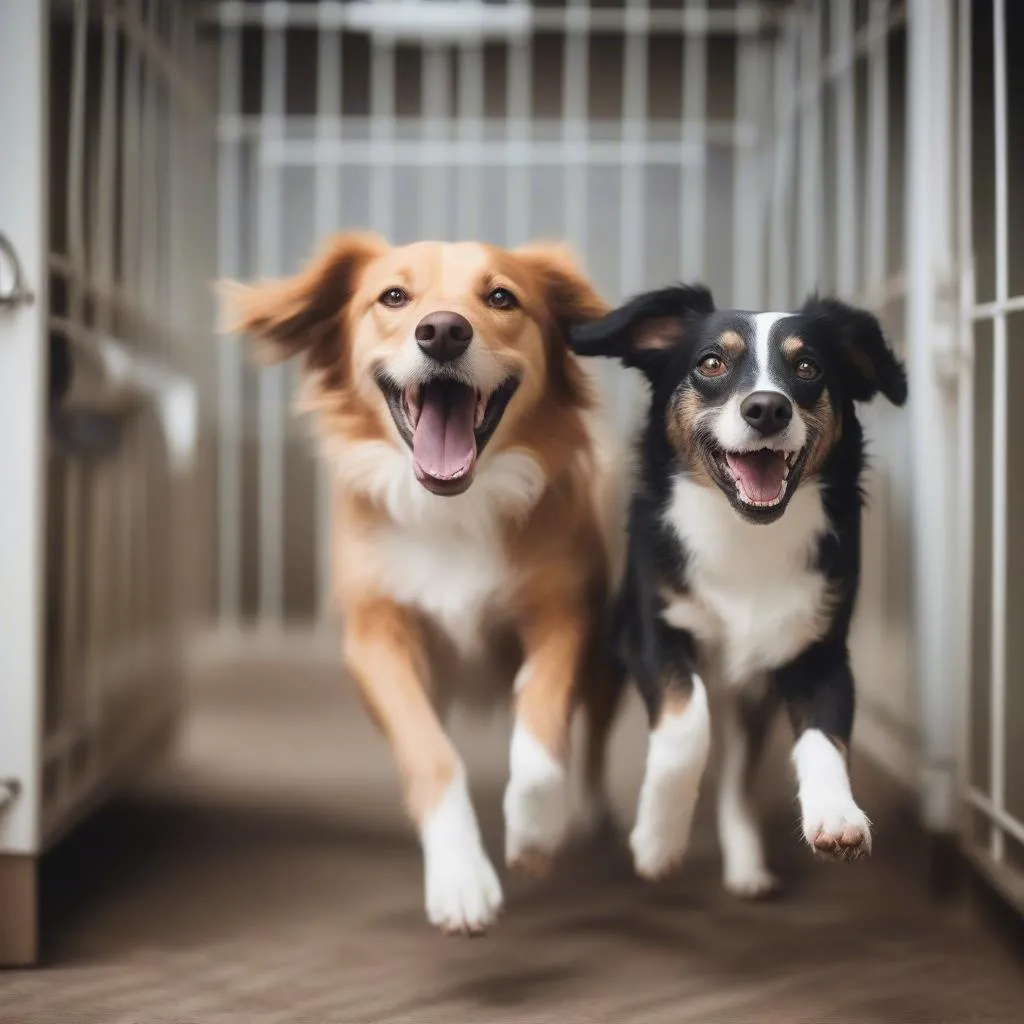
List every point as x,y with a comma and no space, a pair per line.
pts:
481,407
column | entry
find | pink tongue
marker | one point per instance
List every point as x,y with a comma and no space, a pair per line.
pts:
443,442
759,474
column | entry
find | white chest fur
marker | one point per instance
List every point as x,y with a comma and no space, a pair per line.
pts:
452,577
754,601
446,556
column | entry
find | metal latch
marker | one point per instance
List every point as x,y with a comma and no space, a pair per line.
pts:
13,292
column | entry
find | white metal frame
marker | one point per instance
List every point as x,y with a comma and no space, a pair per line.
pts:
23,219
932,325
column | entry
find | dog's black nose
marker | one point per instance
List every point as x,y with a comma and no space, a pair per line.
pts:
767,412
444,335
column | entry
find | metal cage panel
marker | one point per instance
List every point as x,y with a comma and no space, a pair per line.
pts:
119,254
131,160
991,199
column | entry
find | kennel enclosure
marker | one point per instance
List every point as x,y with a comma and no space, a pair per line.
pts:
862,147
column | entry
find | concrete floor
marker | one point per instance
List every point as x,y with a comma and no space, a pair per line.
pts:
267,875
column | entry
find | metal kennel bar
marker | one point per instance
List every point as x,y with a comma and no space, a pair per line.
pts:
23,72
1000,448
272,383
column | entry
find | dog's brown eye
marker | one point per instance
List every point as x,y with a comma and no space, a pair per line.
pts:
712,366
806,370
502,298
394,298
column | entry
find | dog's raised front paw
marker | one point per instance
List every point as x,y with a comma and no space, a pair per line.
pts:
840,831
833,825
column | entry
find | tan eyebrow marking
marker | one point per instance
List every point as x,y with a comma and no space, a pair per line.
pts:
732,344
791,346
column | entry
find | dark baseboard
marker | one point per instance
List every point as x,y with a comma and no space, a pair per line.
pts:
998,899
947,868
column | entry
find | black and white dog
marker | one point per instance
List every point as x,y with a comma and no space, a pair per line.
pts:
744,557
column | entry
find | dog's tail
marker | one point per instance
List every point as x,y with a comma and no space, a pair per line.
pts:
613,477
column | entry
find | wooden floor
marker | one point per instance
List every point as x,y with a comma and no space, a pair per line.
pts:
267,876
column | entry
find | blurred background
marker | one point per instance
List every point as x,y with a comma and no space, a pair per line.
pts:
163,576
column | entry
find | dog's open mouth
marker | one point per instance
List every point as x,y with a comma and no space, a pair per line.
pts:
761,477
447,423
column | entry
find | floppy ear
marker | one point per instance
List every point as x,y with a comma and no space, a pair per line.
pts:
571,300
300,314
645,331
869,365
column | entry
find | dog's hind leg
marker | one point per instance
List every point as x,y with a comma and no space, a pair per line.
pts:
677,755
536,800
746,718
601,697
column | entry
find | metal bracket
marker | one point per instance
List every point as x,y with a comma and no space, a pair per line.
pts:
948,354
947,298
9,791
16,294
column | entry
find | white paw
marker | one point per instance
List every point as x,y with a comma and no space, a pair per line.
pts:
463,894
536,805
661,837
833,824
750,881
837,829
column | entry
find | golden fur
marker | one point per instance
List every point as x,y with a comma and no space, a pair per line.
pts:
552,538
